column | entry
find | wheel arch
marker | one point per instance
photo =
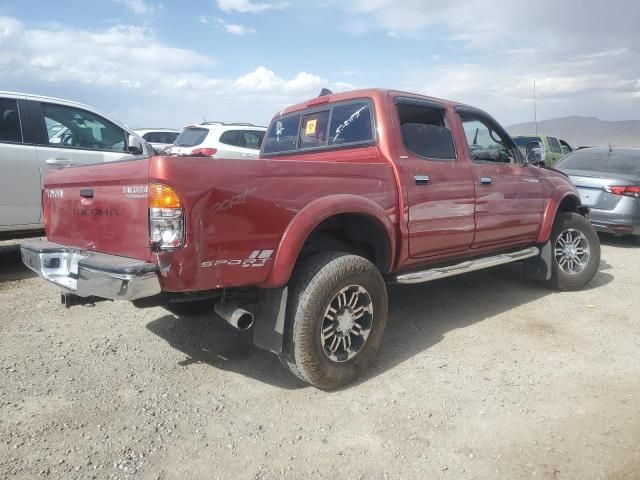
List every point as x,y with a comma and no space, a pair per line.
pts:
569,202
372,221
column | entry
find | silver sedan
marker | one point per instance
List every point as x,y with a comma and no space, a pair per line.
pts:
608,179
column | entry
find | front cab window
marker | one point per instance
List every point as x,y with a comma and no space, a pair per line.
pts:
487,141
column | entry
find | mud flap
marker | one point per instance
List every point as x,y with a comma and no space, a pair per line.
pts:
268,331
539,267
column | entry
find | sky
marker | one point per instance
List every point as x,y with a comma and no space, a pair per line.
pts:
165,63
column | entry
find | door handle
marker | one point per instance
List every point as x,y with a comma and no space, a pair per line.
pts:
421,179
59,161
486,180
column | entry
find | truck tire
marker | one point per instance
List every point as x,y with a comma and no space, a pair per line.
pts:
336,316
575,252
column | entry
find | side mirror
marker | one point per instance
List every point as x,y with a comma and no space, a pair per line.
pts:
533,153
134,145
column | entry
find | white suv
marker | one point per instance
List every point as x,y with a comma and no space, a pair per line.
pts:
39,134
161,139
223,140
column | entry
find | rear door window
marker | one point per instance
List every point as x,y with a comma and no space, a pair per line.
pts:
231,137
424,132
10,130
191,136
251,139
555,145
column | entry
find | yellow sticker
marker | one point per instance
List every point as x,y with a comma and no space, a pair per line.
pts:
311,127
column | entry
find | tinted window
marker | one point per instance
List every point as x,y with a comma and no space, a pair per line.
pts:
230,137
313,131
424,132
565,146
9,121
523,141
621,160
191,136
555,145
283,134
350,123
160,137
73,127
251,139
485,143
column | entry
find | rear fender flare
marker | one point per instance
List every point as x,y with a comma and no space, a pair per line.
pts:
307,219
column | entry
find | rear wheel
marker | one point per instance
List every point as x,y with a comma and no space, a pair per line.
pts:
575,252
336,317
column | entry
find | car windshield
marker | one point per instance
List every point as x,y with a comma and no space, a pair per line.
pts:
191,136
523,141
616,160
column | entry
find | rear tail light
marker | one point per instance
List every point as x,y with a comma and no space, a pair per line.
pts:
166,217
204,152
626,190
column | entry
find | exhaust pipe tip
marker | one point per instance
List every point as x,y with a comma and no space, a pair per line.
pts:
235,316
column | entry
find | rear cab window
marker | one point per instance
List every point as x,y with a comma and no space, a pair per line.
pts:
330,126
191,136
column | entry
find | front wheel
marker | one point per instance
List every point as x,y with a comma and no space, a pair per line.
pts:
336,318
575,252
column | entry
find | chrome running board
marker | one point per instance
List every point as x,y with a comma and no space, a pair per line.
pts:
464,267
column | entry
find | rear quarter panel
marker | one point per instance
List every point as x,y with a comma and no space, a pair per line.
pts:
239,210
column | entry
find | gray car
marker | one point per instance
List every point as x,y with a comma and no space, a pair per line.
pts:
608,179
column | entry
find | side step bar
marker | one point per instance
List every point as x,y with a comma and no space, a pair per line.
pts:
464,267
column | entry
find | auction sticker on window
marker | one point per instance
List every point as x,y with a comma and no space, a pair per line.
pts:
311,127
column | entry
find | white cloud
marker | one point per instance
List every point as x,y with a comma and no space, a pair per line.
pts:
264,80
585,57
248,6
128,72
139,7
233,28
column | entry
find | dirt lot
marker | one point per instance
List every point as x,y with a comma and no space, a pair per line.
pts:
481,376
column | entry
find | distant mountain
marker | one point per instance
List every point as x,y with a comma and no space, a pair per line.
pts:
585,131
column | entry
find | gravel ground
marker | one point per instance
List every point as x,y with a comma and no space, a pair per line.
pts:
481,376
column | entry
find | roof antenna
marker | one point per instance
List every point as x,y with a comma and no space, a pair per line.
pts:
324,92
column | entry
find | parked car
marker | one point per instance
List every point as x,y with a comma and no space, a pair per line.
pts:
553,149
351,191
608,180
222,140
161,139
41,134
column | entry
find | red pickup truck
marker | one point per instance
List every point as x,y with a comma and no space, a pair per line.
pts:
351,191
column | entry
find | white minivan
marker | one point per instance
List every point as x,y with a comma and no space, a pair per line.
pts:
39,134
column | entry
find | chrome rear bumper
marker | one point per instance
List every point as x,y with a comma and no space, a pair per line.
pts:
91,274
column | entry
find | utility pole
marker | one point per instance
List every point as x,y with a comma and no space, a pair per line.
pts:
535,107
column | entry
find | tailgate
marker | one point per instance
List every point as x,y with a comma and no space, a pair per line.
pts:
103,208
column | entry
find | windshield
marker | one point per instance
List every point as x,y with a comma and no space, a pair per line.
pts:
618,160
523,141
191,136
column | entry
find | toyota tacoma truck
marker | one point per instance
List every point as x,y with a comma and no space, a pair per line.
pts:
351,192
